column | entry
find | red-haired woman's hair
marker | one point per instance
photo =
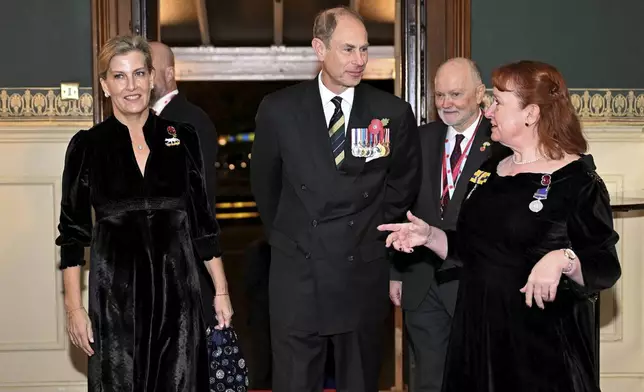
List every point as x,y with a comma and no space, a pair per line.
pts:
536,83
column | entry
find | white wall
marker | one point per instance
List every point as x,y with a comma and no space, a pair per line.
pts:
34,348
619,155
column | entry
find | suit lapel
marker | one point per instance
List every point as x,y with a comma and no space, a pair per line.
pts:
358,118
434,165
474,160
314,123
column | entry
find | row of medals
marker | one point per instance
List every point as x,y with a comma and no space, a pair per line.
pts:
365,145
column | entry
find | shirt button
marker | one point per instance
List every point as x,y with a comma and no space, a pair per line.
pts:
350,223
365,194
307,255
350,258
303,187
314,223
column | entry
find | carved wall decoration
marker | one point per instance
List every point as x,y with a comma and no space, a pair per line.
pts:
44,104
603,105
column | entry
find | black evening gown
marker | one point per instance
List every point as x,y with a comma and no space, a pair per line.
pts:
497,343
150,231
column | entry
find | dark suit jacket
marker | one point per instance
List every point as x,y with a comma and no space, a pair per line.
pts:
416,270
180,110
329,271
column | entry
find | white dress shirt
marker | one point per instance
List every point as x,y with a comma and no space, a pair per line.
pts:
164,101
451,140
329,107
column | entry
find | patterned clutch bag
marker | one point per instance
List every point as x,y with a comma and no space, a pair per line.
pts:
228,371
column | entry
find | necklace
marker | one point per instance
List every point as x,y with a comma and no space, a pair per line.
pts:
140,147
514,160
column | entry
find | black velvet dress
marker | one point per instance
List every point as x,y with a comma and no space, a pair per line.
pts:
497,343
150,231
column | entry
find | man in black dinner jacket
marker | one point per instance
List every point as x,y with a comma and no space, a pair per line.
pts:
332,159
456,145
169,103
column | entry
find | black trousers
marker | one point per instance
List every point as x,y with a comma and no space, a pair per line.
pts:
299,359
258,261
428,329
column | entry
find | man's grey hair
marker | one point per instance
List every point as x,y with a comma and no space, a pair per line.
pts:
326,21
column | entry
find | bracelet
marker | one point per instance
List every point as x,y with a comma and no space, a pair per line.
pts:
222,294
572,257
569,268
73,310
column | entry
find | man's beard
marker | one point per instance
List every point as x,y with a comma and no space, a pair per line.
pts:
464,119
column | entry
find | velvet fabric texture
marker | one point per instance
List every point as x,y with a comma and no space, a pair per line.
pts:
498,343
150,230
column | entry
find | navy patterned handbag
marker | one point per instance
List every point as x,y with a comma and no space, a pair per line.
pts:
228,371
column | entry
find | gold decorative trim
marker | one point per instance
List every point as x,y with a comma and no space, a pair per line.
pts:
44,104
604,105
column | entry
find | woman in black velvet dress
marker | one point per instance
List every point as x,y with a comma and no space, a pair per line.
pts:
153,224
536,238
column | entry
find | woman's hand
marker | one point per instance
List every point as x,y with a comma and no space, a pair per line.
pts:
80,332
405,236
223,310
544,279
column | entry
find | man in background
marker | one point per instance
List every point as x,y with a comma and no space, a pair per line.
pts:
170,104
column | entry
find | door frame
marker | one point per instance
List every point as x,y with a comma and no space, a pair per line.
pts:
111,18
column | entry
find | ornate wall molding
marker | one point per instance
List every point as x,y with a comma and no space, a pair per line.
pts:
44,103
267,63
604,105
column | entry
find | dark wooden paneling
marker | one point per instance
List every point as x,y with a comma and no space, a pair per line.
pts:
458,22
436,35
109,19
448,35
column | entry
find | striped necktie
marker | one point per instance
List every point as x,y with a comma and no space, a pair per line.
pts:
336,132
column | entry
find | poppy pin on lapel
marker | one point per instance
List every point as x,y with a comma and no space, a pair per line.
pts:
371,142
173,140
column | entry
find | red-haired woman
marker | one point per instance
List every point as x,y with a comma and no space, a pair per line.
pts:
536,238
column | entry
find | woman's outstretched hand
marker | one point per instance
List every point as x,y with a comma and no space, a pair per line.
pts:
405,236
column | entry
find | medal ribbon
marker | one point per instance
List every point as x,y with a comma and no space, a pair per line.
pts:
450,180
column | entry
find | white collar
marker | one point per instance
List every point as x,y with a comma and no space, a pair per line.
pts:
327,95
468,133
164,101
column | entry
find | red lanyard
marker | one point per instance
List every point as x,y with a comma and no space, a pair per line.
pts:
449,181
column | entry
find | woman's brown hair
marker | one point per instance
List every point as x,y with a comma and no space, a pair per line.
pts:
541,84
